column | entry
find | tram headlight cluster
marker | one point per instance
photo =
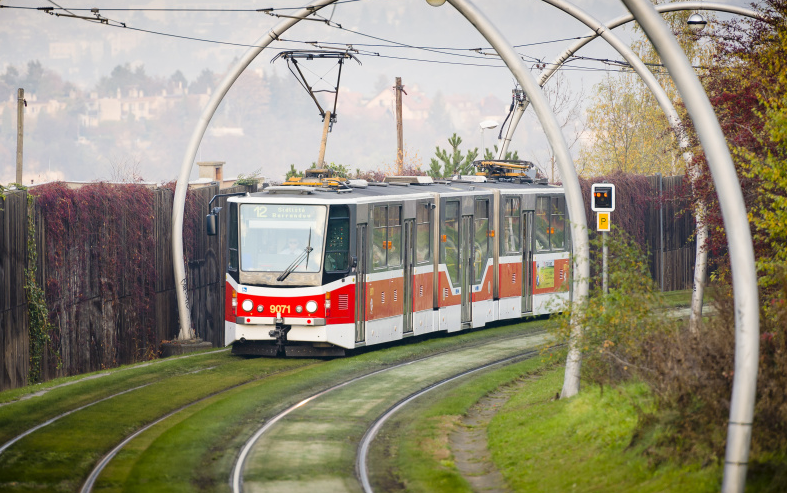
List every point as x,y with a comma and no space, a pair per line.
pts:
311,306
247,305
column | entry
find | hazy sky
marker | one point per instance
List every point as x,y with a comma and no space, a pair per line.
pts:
539,31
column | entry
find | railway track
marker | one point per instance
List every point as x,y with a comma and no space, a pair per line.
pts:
328,434
276,385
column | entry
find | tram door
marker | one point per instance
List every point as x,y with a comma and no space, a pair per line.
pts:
527,261
466,267
409,261
360,283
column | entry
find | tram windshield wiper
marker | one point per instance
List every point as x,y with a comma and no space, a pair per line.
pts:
295,263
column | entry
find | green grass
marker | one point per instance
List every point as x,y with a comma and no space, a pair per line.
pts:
680,298
416,438
583,443
538,443
195,448
197,452
61,455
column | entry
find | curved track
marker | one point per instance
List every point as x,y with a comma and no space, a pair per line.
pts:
362,468
63,415
328,433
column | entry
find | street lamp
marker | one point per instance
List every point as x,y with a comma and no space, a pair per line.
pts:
486,124
696,22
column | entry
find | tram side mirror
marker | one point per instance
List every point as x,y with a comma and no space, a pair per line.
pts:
212,222
353,262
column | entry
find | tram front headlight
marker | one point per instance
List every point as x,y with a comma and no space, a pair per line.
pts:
247,305
260,308
298,309
311,306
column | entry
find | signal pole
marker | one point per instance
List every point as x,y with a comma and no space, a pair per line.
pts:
20,123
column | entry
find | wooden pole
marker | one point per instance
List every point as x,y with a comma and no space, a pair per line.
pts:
399,131
325,126
20,122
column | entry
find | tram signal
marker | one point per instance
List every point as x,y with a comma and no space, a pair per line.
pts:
602,197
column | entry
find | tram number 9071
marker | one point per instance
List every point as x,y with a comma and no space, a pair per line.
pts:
280,308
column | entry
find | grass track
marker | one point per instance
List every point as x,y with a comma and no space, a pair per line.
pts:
192,450
61,455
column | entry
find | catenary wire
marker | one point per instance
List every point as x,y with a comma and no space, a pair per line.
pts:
624,66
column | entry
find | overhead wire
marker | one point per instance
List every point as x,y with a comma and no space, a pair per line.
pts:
389,43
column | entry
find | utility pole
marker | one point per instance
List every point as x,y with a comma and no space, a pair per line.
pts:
326,125
20,123
399,89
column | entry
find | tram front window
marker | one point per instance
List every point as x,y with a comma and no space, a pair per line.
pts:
273,236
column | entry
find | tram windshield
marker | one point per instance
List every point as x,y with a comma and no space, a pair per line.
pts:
274,236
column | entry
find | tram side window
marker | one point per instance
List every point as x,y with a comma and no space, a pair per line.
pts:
449,241
511,227
558,224
394,235
550,224
482,239
542,224
387,236
380,237
337,245
233,237
423,232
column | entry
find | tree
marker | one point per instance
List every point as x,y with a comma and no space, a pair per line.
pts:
292,172
567,105
453,163
629,131
178,81
205,81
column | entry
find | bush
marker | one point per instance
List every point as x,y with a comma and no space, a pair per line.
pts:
617,324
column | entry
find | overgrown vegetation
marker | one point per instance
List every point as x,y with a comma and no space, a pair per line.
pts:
747,85
38,313
253,178
100,254
691,374
617,324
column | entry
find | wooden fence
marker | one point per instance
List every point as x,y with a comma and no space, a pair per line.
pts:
675,247
93,305
96,327
13,302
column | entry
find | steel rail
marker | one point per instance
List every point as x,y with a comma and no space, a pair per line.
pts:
236,477
52,420
87,487
361,467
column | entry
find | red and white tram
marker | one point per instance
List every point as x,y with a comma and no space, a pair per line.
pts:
315,270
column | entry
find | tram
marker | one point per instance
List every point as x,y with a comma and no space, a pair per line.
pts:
320,265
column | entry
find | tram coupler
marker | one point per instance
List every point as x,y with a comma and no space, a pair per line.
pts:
280,334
